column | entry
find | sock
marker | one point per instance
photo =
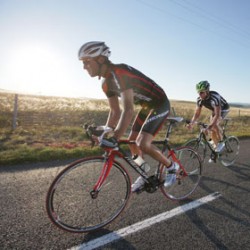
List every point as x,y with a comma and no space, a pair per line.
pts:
171,166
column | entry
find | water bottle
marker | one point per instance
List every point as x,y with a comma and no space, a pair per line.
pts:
141,163
212,143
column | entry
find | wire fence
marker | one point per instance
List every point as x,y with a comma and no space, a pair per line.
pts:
27,111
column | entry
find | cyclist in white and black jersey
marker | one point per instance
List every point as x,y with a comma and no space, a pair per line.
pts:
133,87
219,107
214,99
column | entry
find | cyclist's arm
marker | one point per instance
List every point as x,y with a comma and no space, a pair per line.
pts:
114,113
127,99
197,114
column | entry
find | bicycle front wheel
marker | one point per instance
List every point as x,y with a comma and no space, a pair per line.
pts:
230,152
198,146
72,207
187,179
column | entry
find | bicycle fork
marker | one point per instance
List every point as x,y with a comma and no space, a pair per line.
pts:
181,172
103,176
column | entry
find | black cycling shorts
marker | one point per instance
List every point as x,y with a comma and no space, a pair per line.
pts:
151,120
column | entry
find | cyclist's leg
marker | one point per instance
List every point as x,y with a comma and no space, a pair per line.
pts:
219,131
150,128
218,127
215,131
136,127
224,113
134,148
144,140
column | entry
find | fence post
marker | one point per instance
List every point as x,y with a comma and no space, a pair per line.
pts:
15,112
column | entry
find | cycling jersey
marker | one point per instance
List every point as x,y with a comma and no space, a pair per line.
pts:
122,77
152,98
213,100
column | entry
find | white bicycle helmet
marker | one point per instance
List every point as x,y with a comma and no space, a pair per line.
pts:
93,49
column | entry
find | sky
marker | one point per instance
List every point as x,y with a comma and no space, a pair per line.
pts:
177,43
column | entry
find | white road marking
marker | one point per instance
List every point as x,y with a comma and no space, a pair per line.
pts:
108,238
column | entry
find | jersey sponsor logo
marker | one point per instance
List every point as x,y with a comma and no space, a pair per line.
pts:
153,118
142,97
116,80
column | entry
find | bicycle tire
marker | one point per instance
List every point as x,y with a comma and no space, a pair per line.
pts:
69,203
184,185
198,146
230,152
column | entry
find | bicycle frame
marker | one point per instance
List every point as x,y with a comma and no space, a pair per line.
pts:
110,155
203,137
73,202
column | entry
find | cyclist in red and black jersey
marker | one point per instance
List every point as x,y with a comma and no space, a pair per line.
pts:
132,87
219,107
122,77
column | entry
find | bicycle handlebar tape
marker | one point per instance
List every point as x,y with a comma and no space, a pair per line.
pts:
96,132
109,142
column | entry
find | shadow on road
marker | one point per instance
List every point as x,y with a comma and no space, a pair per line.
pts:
38,165
100,236
206,229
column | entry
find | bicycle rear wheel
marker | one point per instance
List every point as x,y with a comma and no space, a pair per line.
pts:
69,202
187,179
229,154
198,146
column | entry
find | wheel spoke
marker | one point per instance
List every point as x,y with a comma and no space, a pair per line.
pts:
230,153
198,146
74,206
186,183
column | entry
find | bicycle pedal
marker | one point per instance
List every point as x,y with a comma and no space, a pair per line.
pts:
139,190
213,157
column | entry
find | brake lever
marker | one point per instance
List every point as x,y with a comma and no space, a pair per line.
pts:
99,133
88,132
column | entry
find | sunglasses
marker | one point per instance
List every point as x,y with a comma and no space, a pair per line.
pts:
202,92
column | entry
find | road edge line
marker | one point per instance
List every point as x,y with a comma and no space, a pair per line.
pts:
114,236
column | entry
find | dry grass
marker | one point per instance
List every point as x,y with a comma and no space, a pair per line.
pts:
51,127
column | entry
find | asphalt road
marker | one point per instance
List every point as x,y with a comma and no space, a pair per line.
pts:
223,223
